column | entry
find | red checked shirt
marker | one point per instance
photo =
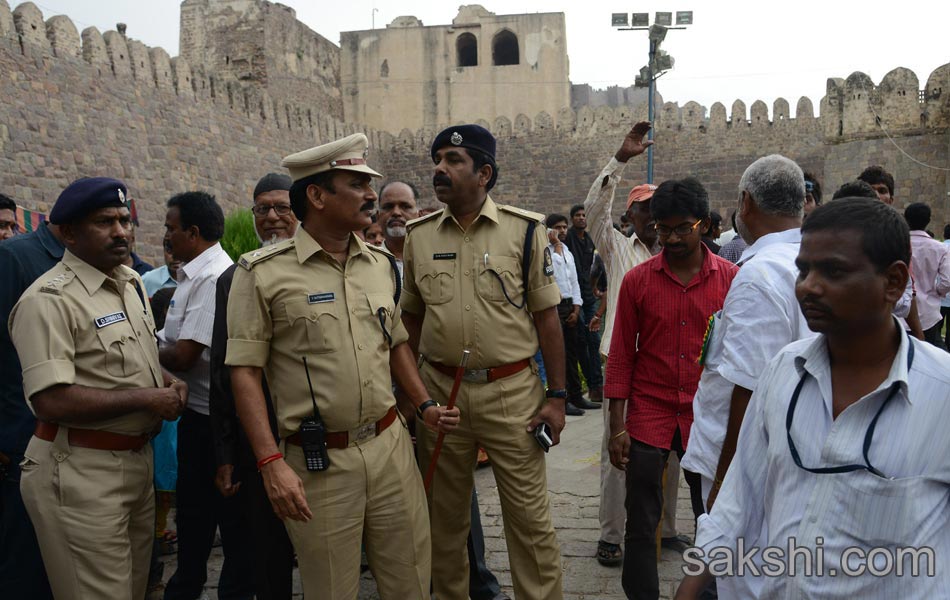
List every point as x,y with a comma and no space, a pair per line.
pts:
656,343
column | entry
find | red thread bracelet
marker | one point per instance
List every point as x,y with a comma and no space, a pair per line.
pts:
268,459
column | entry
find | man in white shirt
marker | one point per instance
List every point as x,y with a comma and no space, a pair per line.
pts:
931,270
193,225
759,317
620,254
843,459
565,273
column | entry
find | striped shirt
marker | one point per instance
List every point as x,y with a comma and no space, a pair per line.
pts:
907,509
619,252
658,337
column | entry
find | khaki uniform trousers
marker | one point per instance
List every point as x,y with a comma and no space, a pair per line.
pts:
493,415
94,515
373,492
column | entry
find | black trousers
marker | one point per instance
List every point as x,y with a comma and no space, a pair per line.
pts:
644,505
200,510
22,574
271,550
572,342
482,584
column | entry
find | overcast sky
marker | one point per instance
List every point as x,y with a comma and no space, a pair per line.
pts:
736,49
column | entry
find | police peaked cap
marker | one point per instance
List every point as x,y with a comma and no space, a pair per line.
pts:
83,196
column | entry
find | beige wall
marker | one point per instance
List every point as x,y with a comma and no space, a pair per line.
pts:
421,86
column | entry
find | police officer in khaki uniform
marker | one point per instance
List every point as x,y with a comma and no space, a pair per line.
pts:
327,297
85,336
470,285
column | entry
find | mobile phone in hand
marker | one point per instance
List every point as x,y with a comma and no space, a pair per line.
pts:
542,433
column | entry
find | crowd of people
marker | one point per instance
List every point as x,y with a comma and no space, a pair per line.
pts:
322,402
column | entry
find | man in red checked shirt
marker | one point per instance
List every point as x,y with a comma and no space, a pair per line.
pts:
662,312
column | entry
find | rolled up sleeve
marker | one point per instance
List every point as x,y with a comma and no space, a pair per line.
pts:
41,330
250,327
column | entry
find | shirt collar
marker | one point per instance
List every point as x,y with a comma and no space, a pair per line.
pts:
92,278
198,264
489,211
813,359
709,264
306,246
919,233
789,236
49,241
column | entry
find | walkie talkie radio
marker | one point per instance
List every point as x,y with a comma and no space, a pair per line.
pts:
313,434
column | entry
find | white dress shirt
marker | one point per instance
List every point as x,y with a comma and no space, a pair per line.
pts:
191,317
931,274
759,317
619,252
565,274
908,508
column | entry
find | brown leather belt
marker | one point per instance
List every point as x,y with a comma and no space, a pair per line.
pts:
483,375
91,438
341,439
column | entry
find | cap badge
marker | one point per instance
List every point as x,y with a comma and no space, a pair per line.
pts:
121,196
365,152
456,138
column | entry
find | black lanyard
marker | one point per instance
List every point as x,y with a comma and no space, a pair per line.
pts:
868,436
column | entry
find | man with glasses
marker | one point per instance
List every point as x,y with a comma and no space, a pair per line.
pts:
663,309
268,546
843,447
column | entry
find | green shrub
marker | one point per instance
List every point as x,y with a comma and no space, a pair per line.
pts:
239,236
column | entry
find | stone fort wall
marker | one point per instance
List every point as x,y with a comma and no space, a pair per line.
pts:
102,104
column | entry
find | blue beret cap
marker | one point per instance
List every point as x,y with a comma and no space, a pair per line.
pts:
465,136
83,196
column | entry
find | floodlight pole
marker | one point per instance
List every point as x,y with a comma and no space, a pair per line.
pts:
650,109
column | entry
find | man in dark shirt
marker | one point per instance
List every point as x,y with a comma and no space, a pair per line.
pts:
237,472
22,260
588,351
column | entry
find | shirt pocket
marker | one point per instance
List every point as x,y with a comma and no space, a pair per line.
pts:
123,356
321,323
436,281
380,303
885,512
499,275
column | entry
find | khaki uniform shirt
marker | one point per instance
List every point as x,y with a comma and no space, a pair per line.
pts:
294,299
448,277
75,325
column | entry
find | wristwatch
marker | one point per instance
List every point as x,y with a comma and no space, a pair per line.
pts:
422,407
562,394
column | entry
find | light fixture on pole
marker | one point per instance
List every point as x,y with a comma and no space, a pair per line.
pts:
660,61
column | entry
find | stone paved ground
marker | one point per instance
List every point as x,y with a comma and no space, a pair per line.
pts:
573,482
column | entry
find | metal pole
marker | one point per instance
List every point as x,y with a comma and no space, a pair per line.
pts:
651,110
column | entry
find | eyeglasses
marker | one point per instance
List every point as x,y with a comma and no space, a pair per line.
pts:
809,186
679,230
262,210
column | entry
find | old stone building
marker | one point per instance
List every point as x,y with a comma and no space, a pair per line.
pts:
482,66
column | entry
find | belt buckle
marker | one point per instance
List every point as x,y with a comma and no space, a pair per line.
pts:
365,432
476,375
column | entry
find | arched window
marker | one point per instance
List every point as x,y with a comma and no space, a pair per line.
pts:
466,50
504,48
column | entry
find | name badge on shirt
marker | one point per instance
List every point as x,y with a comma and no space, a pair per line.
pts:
110,319
443,256
321,298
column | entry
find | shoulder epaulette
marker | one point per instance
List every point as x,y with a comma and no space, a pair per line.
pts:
425,218
520,212
380,249
56,284
249,259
